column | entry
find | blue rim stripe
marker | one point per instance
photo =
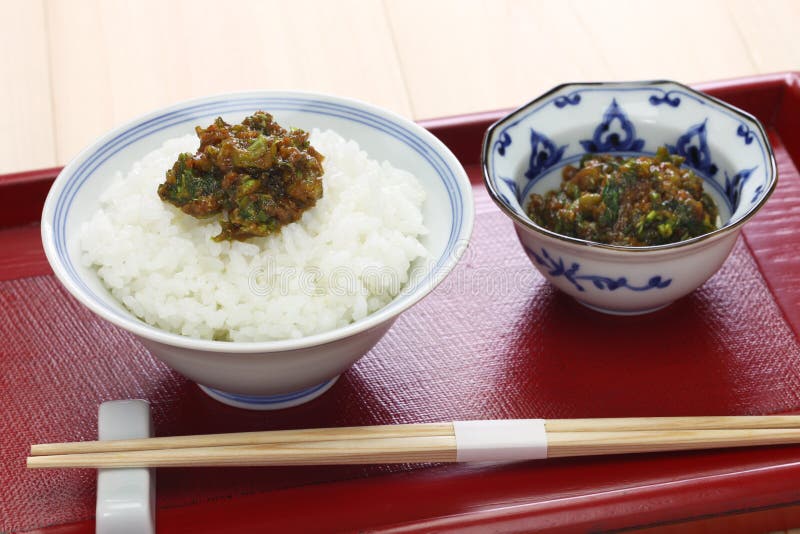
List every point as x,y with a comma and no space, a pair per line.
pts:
240,106
217,107
269,399
243,105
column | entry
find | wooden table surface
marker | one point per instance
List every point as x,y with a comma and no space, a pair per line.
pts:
72,69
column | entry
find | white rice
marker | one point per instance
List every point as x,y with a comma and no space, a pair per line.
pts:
345,258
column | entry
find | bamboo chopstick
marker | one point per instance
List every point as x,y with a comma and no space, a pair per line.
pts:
247,438
428,442
415,449
361,451
411,430
565,444
673,423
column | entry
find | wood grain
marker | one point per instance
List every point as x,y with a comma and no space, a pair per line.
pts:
26,118
488,54
414,449
431,442
420,430
73,69
617,424
342,452
567,444
498,54
113,60
248,438
769,29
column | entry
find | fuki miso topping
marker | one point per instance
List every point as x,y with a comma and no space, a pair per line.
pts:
635,201
256,174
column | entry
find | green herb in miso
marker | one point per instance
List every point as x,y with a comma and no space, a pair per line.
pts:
256,175
636,201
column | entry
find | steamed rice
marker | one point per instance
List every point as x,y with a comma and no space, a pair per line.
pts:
345,258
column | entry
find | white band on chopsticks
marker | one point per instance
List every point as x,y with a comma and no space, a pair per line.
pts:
500,440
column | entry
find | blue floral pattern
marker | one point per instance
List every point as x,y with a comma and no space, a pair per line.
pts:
512,185
544,154
757,193
572,99
557,268
502,143
657,100
734,185
606,140
693,146
744,131
513,171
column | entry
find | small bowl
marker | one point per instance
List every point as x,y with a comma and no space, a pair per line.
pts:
525,151
269,374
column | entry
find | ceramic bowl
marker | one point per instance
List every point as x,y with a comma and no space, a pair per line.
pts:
525,151
271,374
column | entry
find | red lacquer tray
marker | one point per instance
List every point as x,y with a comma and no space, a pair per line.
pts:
494,341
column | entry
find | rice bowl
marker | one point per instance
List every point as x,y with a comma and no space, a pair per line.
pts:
346,258
274,373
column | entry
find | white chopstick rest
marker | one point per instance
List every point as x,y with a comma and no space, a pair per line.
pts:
500,440
125,497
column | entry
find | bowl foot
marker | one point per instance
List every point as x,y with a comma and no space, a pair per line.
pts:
623,312
269,402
